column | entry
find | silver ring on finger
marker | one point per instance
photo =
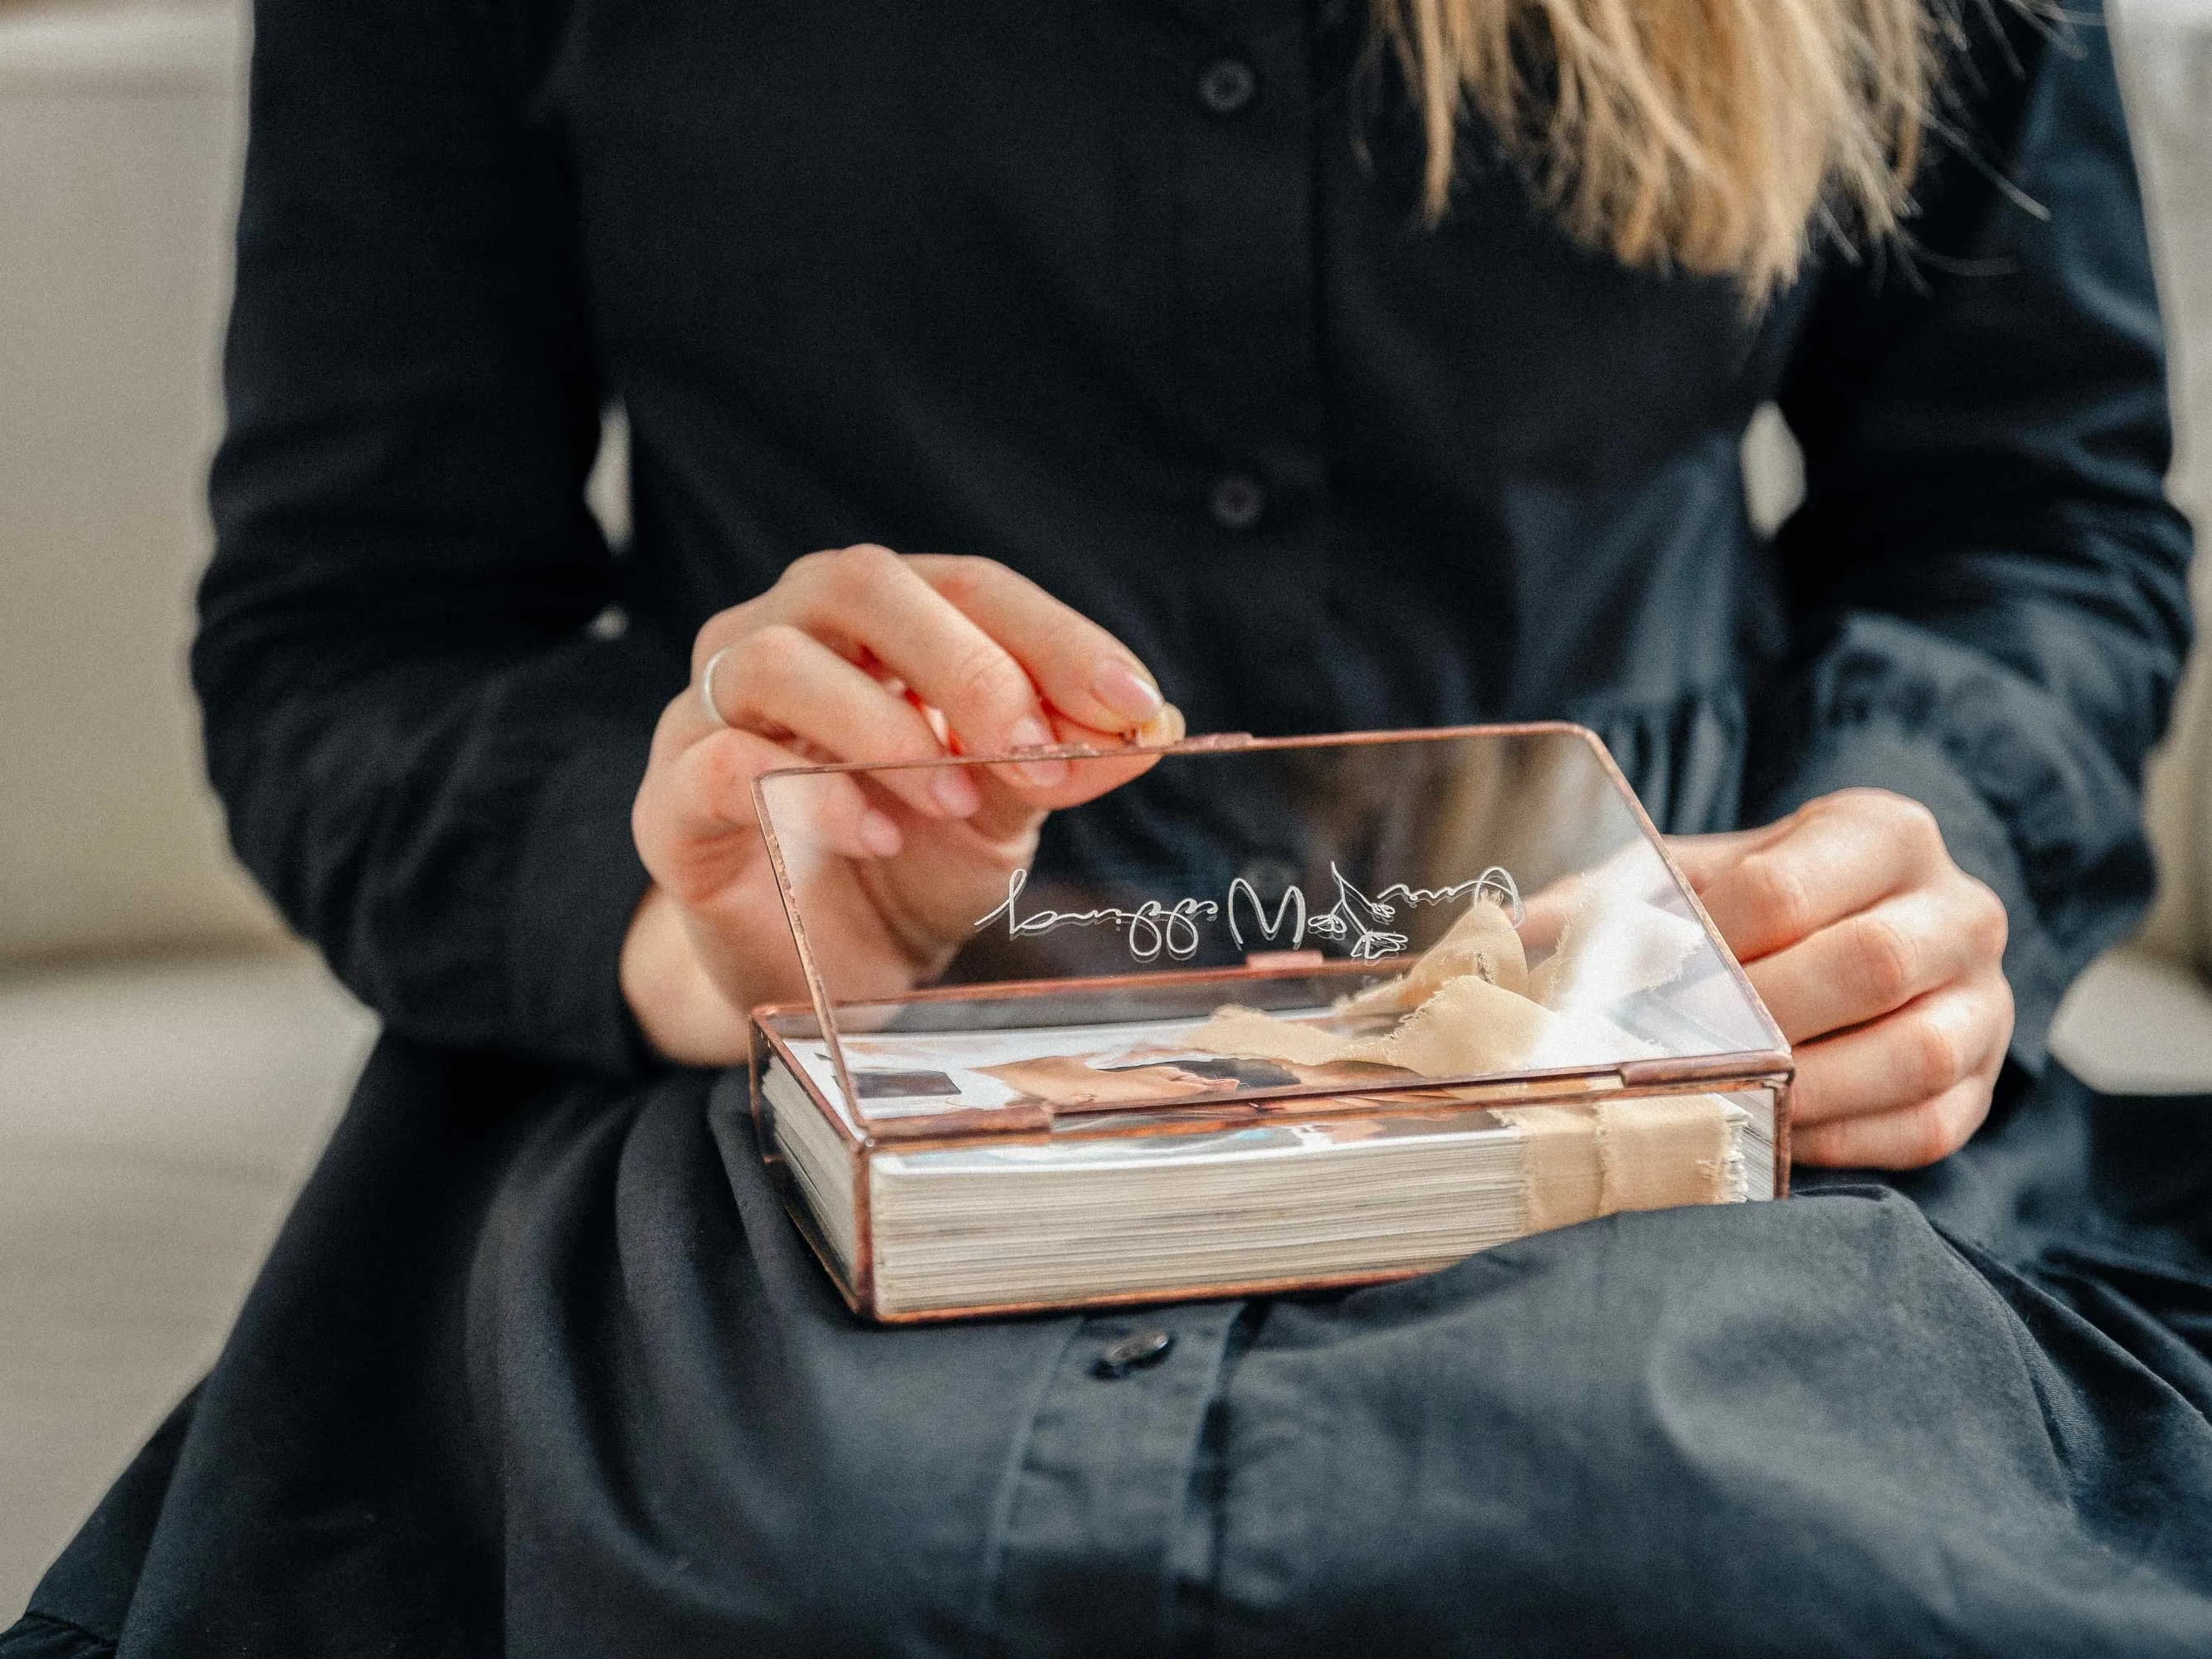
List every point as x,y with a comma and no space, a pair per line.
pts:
707,688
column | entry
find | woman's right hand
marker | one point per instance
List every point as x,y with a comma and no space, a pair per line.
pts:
830,664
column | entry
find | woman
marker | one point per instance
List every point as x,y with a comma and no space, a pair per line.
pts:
1314,369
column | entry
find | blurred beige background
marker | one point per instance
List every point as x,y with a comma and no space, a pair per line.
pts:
169,1063
118,132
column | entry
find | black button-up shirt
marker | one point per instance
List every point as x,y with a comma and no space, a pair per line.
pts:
955,279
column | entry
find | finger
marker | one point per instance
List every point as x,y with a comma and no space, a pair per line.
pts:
782,680
1084,671
1089,778
1008,812
870,599
1704,859
1919,1052
695,825
1871,963
1832,858
1897,1140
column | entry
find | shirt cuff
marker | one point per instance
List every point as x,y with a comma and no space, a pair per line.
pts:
577,883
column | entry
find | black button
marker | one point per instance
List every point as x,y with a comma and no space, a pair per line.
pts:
1227,85
1236,502
1133,1353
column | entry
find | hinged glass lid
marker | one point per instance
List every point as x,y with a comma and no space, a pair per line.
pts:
1237,921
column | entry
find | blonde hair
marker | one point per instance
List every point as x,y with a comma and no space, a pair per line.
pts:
1709,135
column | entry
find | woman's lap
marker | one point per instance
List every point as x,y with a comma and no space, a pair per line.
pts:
553,1385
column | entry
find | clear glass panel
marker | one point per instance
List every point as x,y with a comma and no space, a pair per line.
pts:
1077,960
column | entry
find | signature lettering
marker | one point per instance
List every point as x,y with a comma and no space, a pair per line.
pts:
1154,929
1290,907
1350,919
1495,881
1355,921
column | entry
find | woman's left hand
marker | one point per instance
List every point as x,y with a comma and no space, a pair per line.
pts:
1882,961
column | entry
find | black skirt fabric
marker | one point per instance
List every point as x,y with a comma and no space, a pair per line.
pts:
544,1369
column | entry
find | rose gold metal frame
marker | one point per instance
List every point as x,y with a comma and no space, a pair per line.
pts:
1771,1068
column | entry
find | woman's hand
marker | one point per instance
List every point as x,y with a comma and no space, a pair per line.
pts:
1881,959
861,654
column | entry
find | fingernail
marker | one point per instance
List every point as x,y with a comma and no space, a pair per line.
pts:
956,791
1164,728
1031,733
1117,684
879,834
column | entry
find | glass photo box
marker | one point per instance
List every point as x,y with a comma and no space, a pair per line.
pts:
1245,1016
